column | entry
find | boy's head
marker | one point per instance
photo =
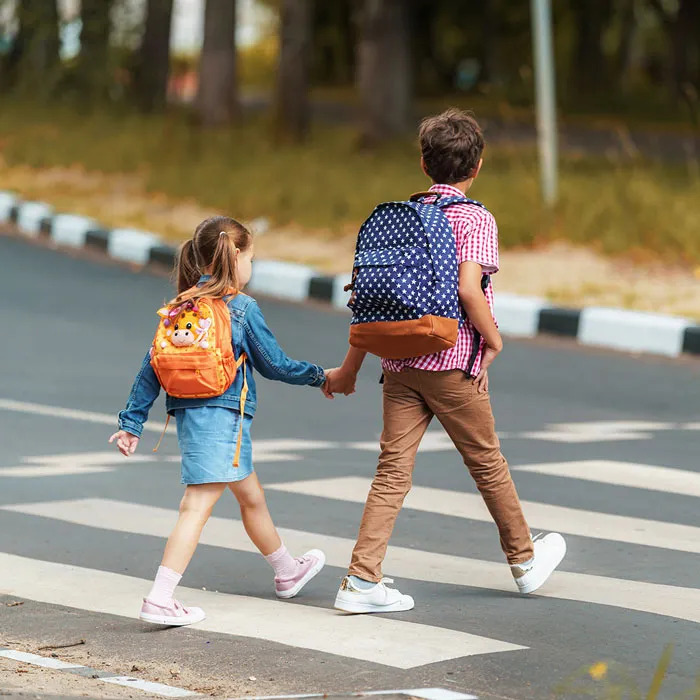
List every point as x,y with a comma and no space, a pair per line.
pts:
451,145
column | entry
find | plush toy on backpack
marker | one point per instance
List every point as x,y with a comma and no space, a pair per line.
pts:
405,300
192,354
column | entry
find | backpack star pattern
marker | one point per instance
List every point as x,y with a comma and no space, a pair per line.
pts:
406,263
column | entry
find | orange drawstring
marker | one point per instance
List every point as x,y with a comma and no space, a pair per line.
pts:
162,435
244,396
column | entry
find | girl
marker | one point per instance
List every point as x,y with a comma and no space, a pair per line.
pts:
216,264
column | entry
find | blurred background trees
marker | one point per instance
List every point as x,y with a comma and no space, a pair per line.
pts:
625,57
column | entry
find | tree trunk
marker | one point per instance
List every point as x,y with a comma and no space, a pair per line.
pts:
151,76
426,80
623,58
216,101
697,57
38,60
683,31
680,29
490,47
588,69
333,35
93,70
292,95
384,79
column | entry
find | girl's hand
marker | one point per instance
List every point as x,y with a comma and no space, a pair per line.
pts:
339,381
326,389
126,442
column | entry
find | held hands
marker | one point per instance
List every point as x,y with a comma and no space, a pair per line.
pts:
126,442
339,381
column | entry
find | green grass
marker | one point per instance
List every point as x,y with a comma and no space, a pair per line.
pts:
327,186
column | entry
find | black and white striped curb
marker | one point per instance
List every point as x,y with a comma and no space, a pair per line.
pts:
518,316
149,687
421,693
170,691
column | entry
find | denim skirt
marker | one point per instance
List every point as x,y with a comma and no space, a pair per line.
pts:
207,437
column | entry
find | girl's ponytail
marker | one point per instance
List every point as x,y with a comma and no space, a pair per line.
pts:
223,269
214,248
186,267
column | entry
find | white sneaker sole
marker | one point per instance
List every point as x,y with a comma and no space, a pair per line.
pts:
170,621
309,575
353,606
532,583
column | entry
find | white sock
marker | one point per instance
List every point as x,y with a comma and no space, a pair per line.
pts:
283,563
361,584
164,586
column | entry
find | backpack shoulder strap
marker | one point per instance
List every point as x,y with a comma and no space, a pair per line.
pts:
447,201
444,200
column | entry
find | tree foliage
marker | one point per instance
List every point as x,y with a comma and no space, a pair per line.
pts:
611,55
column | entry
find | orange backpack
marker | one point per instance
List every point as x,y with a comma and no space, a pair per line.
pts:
192,353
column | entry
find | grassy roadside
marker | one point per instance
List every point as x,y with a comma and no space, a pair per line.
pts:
162,174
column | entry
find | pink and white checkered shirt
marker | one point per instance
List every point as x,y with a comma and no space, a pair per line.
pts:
477,241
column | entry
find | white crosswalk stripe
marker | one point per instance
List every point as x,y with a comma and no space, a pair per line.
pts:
119,516
639,476
389,642
616,528
69,464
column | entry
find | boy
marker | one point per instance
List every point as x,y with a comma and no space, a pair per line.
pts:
451,385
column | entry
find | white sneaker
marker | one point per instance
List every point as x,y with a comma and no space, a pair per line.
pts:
549,551
378,599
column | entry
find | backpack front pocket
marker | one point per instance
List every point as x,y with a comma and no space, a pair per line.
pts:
189,375
391,281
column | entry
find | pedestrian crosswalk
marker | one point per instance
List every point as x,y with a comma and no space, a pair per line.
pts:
584,432
395,643
389,641
541,516
401,562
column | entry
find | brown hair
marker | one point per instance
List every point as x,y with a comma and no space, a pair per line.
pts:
215,244
451,144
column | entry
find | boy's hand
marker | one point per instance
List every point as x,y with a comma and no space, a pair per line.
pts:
482,379
126,442
339,381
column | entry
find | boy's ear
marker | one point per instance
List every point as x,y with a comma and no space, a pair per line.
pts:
477,170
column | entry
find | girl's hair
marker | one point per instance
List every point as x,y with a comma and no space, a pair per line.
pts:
214,247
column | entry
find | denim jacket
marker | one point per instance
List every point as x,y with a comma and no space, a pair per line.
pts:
251,335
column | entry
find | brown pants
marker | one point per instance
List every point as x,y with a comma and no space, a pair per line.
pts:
411,399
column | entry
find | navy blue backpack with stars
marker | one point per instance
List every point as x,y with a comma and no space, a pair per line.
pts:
405,300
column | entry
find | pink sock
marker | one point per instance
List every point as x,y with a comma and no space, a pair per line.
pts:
164,586
283,563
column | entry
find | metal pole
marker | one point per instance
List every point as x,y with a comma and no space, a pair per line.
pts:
545,95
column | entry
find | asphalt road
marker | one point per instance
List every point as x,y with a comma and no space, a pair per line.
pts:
74,334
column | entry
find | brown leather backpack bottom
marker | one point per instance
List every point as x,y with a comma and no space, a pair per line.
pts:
398,340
